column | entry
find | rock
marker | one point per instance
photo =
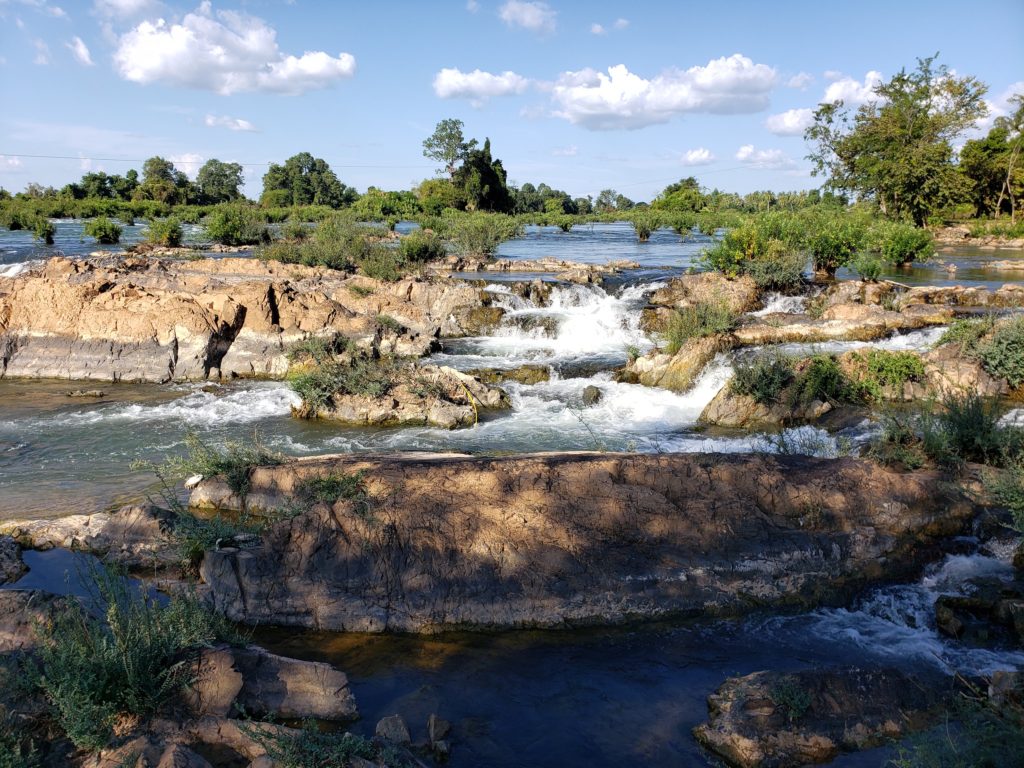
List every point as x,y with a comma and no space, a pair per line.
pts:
729,409
435,395
771,719
393,729
739,294
133,536
949,372
257,682
12,567
437,728
179,756
676,372
993,613
554,540
591,395
86,393
21,612
524,374
442,749
138,319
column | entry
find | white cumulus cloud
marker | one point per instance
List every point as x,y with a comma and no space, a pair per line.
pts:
231,123
477,86
792,122
764,158
187,162
226,52
597,29
622,99
800,81
529,14
698,156
80,51
850,91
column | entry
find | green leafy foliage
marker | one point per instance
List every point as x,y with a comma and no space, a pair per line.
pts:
235,461
329,488
17,749
898,243
103,229
311,747
236,225
820,378
697,321
793,700
833,239
165,232
763,378
868,266
360,376
968,333
480,234
129,655
43,229
1003,355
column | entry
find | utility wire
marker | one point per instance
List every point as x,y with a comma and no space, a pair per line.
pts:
129,160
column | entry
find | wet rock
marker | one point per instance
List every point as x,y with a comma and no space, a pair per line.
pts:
592,395
524,374
771,719
133,536
676,372
739,294
12,567
993,613
393,729
86,393
257,682
179,756
729,409
437,728
553,540
482,320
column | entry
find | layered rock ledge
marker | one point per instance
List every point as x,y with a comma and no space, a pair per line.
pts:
555,540
137,319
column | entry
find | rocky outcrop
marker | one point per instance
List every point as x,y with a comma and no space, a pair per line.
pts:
12,567
554,540
992,614
437,396
739,294
133,536
252,681
676,372
148,320
22,611
772,720
729,409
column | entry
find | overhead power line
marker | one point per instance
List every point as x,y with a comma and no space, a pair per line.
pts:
131,160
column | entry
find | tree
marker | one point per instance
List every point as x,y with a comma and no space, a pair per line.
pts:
898,147
219,182
482,181
448,146
993,164
162,182
305,180
684,195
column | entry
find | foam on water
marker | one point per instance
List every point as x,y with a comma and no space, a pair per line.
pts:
915,341
13,270
898,622
778,303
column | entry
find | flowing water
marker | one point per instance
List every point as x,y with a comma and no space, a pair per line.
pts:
626,696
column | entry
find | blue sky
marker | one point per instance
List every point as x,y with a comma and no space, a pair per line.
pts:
582,96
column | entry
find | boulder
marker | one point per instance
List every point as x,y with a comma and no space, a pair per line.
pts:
783,721
678,372
992,614
393,729
592,395
524,374
257,682
555,540
12,567
21,613
729,409
739,294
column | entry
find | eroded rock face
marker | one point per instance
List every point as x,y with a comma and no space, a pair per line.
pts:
783,721
844,322
12,567
729,409
146,320
553,540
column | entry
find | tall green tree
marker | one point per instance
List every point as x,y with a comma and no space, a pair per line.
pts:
448,146
994,166
305,180
483,181
897,148
219,182
162,182
683,195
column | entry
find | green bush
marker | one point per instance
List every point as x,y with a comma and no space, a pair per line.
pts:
164,232
104,230
968,333
644,223
329,488
480,234
1003,355
43,229
319,349
294,230
236,225
313,748
765,247
868,266
763,379
899,243
382,263
968,429
898,445
17,749
833,239
883,369
820,378
697,321
234,462
362,376
779,268
793,700
419,247
129,656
